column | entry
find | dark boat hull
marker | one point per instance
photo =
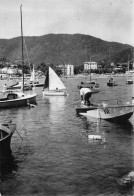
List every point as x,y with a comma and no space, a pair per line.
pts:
26,101
111,84
84,109
5,149
5,141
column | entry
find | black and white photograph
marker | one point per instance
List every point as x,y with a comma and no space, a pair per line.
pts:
66,97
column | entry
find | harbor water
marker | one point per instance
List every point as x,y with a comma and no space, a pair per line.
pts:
54,156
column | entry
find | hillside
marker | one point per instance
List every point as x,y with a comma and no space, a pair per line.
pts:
61,48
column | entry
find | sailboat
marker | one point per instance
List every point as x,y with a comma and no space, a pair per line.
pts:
129,76
53,85
6,132
18,98
34,81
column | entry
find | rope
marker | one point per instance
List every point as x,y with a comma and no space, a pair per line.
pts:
19,135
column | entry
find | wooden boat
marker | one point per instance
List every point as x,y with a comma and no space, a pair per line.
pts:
93,85
111,113
6,132
53,85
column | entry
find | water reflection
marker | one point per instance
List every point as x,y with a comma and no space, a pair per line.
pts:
56,108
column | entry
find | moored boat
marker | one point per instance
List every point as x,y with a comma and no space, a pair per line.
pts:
17,99
111,113
112,82
19,86
6,132
129,79
14,98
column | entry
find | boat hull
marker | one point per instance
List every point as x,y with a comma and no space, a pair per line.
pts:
110,114
129,82
38,85
111,84
26,88
54,93
82,109
20,102
5,142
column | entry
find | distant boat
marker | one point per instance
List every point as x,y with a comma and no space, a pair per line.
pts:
53,85
34,81
129,75
110,113
19,86
129,79
112,82
93,85
6,132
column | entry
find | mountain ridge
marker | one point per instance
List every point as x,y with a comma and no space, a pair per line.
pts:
61,48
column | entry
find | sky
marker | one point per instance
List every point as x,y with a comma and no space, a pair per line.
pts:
110,20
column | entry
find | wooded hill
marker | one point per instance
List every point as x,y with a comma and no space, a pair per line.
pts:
63,49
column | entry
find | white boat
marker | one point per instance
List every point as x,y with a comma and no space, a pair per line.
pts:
53,85
111,113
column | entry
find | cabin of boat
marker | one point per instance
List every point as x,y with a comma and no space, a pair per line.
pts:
11,96
17,99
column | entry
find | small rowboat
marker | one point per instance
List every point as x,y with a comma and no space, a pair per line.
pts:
6,132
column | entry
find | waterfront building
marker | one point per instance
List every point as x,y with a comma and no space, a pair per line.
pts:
90,65
67,70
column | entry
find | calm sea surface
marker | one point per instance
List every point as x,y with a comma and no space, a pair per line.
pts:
56,157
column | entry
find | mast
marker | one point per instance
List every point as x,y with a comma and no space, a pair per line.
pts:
22,46
90,66
110,61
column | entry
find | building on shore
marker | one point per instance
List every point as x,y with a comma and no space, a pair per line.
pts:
67,70
90,65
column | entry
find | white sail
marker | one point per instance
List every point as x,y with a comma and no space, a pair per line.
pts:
32,78
55,82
